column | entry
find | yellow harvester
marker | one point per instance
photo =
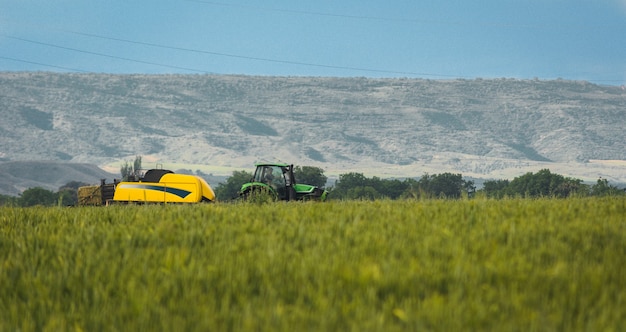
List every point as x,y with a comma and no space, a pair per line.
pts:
156,186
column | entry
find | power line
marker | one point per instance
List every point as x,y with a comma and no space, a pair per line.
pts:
44,64
304,12
298,63
372,70
404,20
406,73
107,55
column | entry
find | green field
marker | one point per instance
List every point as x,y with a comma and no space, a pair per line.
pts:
440,265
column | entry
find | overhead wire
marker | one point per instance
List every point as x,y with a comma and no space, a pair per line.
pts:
362,69
105,55
254,58
299,63
43,64
406,73
400,19
302,12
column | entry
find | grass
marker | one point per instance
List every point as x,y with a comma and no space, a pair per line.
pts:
505,265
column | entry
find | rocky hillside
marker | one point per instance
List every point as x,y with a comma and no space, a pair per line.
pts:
386,127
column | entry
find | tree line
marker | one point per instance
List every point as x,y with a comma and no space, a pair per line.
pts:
547,184
356,186
66,195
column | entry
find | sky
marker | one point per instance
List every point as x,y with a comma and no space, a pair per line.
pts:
433,39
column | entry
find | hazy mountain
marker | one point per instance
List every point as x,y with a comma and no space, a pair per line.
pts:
17,176
496,128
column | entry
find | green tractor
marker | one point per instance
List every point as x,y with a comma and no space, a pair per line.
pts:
278,181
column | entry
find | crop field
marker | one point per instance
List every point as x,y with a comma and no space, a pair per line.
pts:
421,265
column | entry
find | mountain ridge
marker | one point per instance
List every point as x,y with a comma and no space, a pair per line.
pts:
489,128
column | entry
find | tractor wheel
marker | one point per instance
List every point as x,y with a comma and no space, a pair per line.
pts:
259,195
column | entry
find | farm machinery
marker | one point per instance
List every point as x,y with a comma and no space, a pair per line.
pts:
278,181
154,186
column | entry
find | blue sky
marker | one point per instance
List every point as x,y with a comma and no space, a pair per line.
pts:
545,39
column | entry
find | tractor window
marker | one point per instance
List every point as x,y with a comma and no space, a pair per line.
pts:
271,175
279,178
268,175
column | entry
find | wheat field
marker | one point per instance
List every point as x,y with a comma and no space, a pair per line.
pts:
425,265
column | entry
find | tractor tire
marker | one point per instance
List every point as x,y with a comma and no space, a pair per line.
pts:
258,194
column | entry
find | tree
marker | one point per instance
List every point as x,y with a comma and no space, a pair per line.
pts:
546,184
411,189
346,182
495,188
8,200
310,175
68,193
129,171
363,193
570,187
126,170
137,164
230,189
445,185
392,188
73,185
540,184
37,196
67,197
603,188
357,186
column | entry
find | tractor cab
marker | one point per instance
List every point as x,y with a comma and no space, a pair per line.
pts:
278,180
276,177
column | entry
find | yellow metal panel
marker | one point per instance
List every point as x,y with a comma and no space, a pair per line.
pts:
172,188
207,192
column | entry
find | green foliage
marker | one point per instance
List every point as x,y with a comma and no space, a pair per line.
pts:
37,196
259,195
392,188
68,193
230,189
126,170
8,200
310,175
408,265
603,188
495,188
129,171
445,185
67,197
540,184
73,185
362,193
137,163
348,180
547,184
347,187
357,186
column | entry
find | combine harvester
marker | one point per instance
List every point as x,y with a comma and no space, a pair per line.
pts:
155,186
